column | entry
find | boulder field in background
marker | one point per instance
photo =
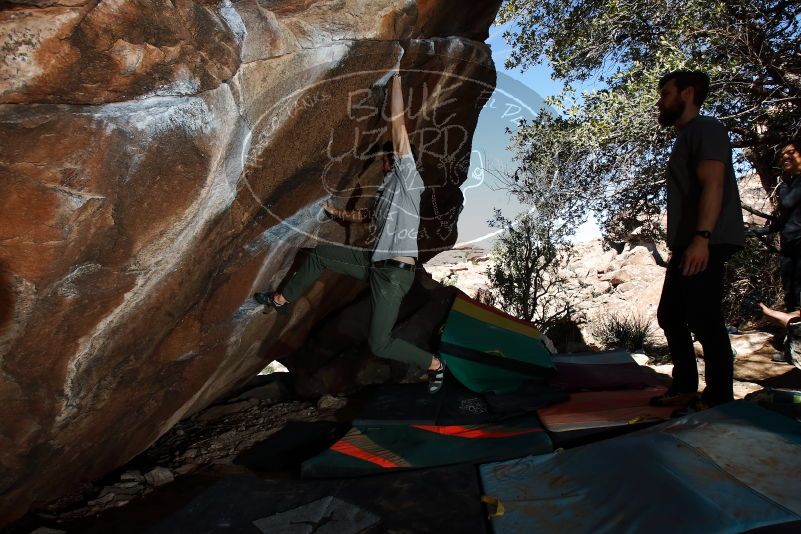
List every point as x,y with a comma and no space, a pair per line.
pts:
160,162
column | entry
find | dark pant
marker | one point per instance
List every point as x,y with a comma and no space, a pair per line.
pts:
694,304
791,275
388,286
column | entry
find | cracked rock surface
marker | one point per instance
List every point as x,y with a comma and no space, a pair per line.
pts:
161,161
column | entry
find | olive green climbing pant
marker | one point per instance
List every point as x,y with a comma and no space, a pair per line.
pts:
388,285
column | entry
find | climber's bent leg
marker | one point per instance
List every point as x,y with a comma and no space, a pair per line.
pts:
352,262
388,286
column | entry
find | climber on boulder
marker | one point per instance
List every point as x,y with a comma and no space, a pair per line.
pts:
389,267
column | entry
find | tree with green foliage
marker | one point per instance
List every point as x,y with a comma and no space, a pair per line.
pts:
524,274
750,48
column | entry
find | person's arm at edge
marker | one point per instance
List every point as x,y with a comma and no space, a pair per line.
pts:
775,226
772,228
400,137
711,174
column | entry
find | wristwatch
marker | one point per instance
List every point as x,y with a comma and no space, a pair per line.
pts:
706,234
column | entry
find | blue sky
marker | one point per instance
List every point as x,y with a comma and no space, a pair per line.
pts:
517,95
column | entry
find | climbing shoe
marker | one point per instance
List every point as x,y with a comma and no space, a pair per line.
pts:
266,300
436,377
778,357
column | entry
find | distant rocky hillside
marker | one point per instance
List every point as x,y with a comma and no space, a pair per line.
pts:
600,281
464,267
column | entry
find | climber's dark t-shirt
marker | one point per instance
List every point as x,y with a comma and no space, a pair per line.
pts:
703,138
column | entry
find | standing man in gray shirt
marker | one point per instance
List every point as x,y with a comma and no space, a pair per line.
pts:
705,227
389,267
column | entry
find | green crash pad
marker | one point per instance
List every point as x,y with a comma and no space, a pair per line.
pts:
490,351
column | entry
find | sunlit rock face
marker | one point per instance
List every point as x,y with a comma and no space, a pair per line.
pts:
160,161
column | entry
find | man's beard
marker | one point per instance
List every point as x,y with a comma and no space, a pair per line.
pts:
668,117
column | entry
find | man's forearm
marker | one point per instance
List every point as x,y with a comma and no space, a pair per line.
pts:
709,205
696,257
711,176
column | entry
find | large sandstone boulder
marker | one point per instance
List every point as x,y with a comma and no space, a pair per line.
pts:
161,161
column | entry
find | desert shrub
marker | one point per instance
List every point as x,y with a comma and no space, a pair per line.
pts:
631,332
485,296
449,280
525,269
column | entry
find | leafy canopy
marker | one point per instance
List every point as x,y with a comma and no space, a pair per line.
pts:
611,153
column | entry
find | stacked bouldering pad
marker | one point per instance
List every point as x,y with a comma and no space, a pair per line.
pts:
479,414
609,395
506,396
726,470
491,351
411,462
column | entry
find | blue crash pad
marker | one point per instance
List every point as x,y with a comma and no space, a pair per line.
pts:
730,469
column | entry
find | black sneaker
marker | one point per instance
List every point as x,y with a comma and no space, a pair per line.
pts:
778,357
673,398
437,377
266,300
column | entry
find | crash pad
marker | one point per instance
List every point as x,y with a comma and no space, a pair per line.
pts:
601,371
604,409
489,350
368,450
410,404
728,469
592,415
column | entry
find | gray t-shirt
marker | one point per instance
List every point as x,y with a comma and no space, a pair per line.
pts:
397,211
704,138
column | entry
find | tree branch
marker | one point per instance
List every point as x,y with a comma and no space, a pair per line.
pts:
756,212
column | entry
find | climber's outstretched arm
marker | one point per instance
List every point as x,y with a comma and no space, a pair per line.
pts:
400,138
